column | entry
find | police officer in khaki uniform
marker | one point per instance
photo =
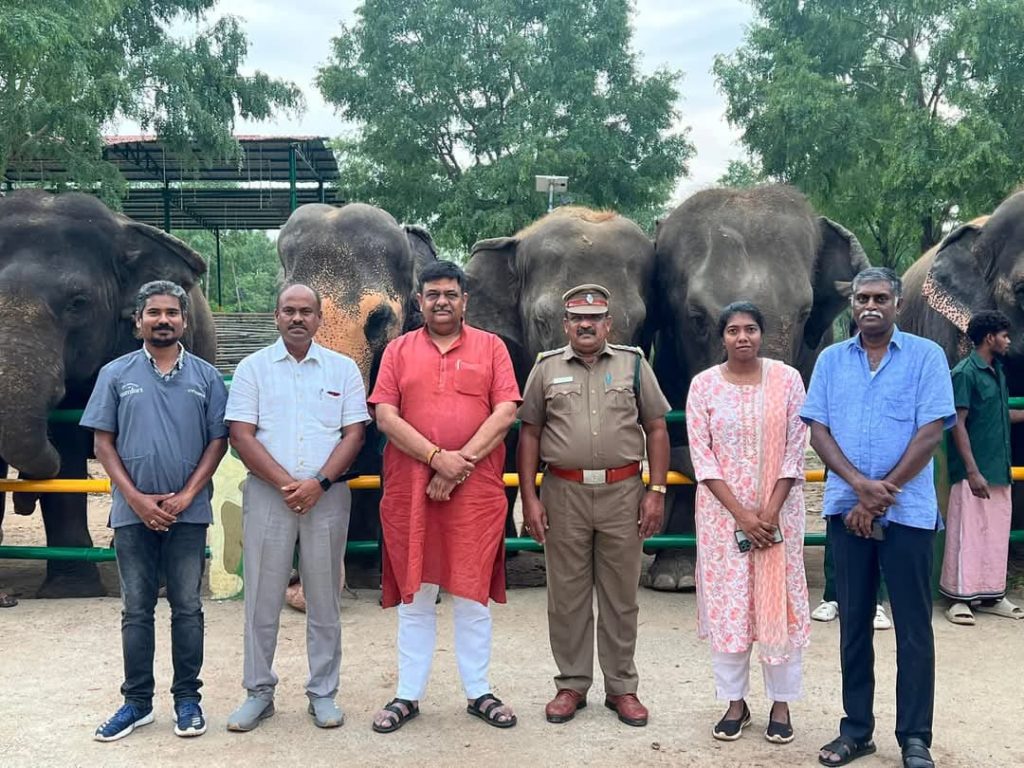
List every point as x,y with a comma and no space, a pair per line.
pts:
583,408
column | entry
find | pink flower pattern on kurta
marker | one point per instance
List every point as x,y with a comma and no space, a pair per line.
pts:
723,421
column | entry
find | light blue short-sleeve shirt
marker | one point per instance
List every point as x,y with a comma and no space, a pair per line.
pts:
873,418
163,426
299,408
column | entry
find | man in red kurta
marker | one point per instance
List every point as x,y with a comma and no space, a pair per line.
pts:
445,396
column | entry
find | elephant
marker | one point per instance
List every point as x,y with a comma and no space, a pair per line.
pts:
69,272
363,263
764,244
516,284
979,265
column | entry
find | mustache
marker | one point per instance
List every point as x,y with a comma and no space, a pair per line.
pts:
163,327
586,332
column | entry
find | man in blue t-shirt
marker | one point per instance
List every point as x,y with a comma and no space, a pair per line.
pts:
158,418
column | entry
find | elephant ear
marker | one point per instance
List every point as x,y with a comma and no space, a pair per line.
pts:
421,245
840,257
494,289
147,253
955,286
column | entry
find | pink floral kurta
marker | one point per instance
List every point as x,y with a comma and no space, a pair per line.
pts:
724,425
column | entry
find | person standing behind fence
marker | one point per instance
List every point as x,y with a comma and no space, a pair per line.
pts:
877,407
747,443
297,414
445,397
158,420
978,516
589,411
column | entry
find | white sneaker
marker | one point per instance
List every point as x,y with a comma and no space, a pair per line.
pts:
881,621
828,610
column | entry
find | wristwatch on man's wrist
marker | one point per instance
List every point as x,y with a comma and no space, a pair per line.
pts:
658,488
324,482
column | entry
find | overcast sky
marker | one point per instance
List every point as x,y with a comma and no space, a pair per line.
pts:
291,39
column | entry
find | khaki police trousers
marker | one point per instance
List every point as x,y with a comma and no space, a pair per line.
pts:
593,544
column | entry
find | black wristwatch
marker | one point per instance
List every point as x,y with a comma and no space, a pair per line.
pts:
324,482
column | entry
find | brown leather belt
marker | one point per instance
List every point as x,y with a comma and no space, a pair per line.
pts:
596,476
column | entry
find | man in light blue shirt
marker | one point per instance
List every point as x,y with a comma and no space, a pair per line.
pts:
297,416
877,406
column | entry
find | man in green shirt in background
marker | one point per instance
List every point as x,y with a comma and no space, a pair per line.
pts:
978,518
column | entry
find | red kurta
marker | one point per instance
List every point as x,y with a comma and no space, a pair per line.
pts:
460,543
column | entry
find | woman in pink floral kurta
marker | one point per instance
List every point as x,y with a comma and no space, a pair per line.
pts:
726,422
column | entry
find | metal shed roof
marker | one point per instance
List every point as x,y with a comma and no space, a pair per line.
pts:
248,192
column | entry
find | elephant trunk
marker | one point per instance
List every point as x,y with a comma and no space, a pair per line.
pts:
31,383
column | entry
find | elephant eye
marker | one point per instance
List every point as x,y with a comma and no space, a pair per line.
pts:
76,304
698,321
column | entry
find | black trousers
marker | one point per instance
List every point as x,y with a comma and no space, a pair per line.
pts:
905,556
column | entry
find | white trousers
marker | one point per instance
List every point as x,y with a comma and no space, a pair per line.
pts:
782,682
417,634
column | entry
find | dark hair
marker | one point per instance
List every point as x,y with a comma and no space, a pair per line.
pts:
739,308
442,270
288,286
985,322
878,275
160,288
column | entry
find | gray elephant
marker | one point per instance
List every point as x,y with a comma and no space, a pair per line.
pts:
766,245
363,263
69,272
516,286
979,265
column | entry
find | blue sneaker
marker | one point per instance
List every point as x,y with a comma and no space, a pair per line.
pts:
123,722
189,720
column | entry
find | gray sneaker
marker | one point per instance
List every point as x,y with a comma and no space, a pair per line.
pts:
248,716
326,713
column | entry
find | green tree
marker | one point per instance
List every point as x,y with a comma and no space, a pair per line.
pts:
742,173
250,269
67,67
461,102
896,117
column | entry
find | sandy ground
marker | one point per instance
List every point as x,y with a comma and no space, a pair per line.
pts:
63,669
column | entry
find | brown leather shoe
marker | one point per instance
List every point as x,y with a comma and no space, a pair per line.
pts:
563,707
628,708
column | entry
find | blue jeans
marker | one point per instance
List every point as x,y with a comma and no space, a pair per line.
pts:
143,556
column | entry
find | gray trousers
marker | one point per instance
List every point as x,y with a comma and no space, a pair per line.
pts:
269,532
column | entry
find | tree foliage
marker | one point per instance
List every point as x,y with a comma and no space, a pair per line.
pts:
67,67
896,117
250,269
461,102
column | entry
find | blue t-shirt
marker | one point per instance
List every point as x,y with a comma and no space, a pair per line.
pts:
873,418
162,426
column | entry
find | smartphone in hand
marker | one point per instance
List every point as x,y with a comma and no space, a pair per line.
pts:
745,545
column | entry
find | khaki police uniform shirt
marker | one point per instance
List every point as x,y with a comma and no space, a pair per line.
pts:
588,414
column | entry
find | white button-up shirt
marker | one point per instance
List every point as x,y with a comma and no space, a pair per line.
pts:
299,408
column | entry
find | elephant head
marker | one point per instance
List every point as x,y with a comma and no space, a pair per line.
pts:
516,283
363,264
69,272
980,265
765,245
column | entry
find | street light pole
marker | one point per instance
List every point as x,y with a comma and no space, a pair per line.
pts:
549,184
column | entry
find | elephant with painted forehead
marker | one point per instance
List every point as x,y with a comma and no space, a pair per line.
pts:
69,273
363,263
977,266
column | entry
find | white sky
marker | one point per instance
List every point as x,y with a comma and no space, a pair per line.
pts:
291,39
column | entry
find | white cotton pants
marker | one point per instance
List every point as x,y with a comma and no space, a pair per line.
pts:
782,682
417,634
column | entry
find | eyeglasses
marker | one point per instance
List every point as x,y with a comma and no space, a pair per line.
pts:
577,319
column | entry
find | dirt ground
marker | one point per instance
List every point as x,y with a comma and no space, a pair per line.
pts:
63,667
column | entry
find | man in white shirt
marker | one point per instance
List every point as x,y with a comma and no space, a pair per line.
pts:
297,416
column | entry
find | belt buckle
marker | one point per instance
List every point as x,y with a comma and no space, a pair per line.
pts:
594,477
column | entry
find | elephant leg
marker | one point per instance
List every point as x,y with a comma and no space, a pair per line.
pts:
673,570
65,518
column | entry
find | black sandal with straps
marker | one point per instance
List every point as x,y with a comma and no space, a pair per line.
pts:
401,716
486,707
